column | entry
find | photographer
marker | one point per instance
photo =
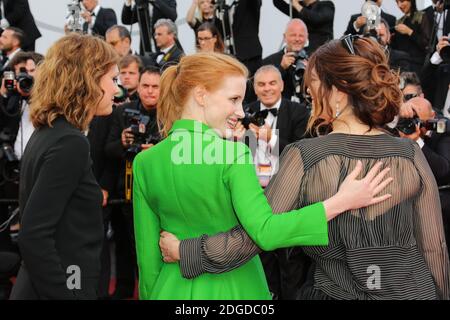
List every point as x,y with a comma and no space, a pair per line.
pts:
96,18
317,15
435,147
122,144
158,9
358,22
289,60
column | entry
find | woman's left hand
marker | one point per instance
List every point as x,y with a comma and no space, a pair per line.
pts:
403,29
170,247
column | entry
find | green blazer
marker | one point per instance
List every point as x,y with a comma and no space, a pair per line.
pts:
194,183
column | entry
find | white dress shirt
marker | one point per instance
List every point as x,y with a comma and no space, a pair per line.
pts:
26,129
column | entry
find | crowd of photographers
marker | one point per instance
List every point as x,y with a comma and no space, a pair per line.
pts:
277,106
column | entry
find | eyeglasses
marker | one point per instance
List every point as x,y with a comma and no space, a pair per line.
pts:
347,42
204,39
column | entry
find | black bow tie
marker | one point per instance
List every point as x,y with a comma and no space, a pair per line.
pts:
273,111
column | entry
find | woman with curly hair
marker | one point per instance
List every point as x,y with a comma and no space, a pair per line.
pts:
60,201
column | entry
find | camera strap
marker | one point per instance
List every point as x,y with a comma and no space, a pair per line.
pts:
128,180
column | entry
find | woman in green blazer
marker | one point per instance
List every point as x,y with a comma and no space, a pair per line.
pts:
196,182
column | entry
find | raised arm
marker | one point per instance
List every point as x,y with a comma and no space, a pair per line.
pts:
428,226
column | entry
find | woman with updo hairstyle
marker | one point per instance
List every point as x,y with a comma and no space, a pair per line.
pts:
196,182
60,201
392,250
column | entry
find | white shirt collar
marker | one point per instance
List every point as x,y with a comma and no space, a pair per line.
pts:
275,106
167,49
96,10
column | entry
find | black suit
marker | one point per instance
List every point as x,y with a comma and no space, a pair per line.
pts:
437,153
318,17
61,217
18,14
166,9
287,75
105,19
282,276
390,19
436,91
429,12
173,56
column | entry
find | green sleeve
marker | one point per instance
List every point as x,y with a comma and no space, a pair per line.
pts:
146,229
305,226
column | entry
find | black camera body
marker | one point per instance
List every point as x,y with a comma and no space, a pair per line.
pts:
138,124
258,118
8,159
299,65
24,81
408,125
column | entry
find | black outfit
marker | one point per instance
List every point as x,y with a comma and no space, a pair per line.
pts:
403,236
415,45
318,17
246,33
437,152
287,75
161,9
122,217
390,19
173,56
18,14
104,174
105,19
436,91
430,14
61,217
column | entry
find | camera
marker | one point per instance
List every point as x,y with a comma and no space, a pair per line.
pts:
299,64
122,96
258,118
408,125
138,124
24,81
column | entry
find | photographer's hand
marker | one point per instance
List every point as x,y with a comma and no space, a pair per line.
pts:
414,136
127,138
443,42
287,60
3,89
360,22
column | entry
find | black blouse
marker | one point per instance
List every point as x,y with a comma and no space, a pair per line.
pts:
403,237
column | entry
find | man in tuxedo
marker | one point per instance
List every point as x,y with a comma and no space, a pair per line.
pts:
295,37
317,15
285,123
357,23
158,9
16,13
97,19
165,37
10,44
440,19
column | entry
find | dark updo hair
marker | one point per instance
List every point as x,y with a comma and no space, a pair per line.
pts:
372,87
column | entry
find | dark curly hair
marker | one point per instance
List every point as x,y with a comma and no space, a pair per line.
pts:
372,87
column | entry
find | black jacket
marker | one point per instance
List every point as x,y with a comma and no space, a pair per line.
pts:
437,152
161,9
115,152
18,14
103,170
318,17
390,19
61,216
105,19
429,13
246,29
291,121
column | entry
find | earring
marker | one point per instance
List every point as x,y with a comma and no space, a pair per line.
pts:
338,112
